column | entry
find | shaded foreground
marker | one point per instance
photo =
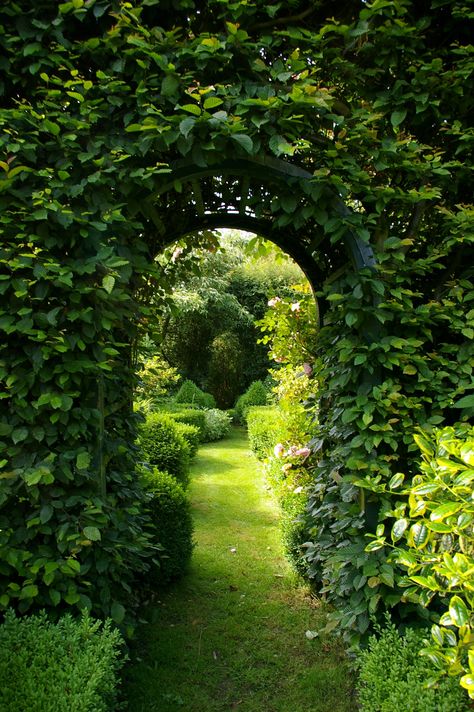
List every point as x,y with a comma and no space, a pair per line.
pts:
231,635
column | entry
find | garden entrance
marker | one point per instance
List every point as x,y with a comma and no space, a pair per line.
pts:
340,133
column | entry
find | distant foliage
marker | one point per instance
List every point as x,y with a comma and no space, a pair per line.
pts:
163,446
224,378
155,378
63,666
256,394
191,394
171,527
393,676
217,424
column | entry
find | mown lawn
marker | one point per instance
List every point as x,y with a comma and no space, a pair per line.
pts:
231,635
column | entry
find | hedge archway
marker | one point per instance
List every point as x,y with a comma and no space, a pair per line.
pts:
331,110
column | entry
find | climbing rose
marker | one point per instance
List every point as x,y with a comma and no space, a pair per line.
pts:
307,369
303,452
292,451
176,254
278,450
295,306
274,301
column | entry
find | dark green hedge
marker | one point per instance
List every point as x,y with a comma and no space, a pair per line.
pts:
171,527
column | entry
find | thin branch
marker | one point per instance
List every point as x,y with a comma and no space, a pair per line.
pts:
283,20
414,223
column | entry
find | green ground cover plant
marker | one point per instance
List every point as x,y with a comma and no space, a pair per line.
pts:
59,667
234,631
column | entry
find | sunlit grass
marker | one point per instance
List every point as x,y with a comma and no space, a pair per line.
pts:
231,635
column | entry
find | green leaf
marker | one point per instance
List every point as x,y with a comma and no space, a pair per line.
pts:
92,533
458,611
212,102
192,109
29,591
46,513
397,117
399,529
19,434
83,461
445,510
117,612
108,283
419,534
169,85
466,402
396,480
280,145
186,126
244,141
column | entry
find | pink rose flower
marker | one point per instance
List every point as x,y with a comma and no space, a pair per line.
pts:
274,301
307,369
278,450
303,452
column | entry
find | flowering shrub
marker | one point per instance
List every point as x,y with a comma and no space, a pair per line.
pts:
216,424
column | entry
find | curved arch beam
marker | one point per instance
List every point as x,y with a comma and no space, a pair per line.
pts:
268,169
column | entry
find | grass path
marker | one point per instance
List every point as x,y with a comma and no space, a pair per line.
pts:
231,634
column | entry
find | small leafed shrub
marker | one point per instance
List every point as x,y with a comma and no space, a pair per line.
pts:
163,446
192,416
191,434
393,675
217,424
256,394
68,666
171,526
192,394
264,424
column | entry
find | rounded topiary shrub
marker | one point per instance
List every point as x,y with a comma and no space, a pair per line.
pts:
170,525
163,446
192,394
256,394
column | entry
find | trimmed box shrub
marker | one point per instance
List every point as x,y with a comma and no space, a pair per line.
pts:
68,666
191,416
191,434
163,446
192,394
171,526
393,676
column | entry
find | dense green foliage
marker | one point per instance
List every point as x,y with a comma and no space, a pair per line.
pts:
59,667
264,425
191,434
433,538
162,445
98,98
393,676
191,394
171,527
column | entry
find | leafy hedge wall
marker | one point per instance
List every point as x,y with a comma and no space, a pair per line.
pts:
97,97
